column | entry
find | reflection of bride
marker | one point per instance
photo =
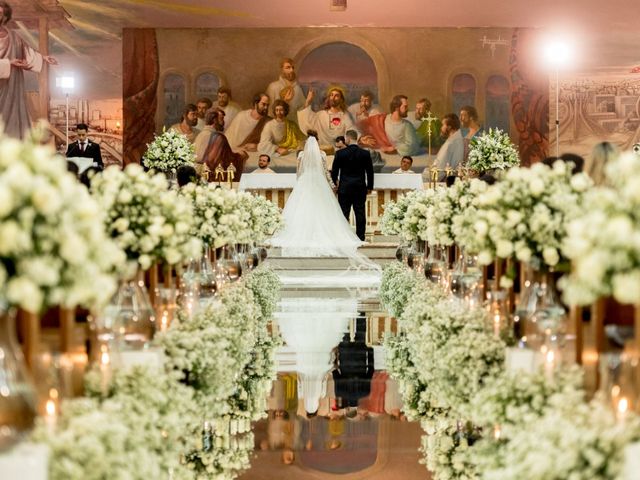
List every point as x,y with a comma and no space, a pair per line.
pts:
314,223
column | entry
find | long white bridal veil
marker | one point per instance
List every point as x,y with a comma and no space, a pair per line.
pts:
314,226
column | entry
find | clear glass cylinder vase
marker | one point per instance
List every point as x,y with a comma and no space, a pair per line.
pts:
202,272
18,402
134,322
435,265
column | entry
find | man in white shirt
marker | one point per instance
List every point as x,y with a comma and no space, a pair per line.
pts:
263,164
451,153
405,165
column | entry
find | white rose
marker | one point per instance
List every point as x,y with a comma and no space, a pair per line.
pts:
485,257
626,287
536,186
481,228
144,261
125,196
504,248
523,254
23,292
551,256
121,225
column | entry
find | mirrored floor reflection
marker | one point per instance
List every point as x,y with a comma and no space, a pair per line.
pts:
333,409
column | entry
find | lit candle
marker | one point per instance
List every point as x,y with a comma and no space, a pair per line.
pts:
164,320
497,432
496,325
105,369
622,409
549,363
50,417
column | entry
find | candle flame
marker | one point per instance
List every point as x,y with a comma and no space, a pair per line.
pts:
497,432
550,356
623,405
105,358
50,408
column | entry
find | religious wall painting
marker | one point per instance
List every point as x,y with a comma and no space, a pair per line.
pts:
174,93
338,63
497,105
463,91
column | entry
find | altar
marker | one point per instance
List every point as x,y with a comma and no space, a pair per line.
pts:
277,188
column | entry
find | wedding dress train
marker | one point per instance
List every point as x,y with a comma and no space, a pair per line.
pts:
314,223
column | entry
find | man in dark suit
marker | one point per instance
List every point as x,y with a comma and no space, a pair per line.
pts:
84,147
352,172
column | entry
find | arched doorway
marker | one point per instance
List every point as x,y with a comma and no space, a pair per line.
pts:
338,63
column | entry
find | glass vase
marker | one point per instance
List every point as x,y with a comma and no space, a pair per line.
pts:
539,313
230,263
435,265
134,322
201,271
18,401
499,320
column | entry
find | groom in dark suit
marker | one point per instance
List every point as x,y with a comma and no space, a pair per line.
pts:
352,172
84,147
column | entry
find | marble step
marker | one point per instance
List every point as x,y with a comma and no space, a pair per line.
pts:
373,250
293,263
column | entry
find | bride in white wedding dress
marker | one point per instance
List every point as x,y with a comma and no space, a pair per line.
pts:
314,223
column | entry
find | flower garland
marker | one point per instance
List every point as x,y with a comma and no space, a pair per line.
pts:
54,249
146,219
396,287
491,151
169,151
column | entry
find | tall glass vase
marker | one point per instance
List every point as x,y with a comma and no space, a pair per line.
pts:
435,265
17,394
539,312
201,271
229,261
134,322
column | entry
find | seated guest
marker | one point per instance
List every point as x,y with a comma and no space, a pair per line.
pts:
263,164
602,153
577,162
405,165
186,174
84,147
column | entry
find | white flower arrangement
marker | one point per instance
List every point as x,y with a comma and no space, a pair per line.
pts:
582,441
394,213
54,249
453,338
146,219
414,225
447,205
141,430
218,218
266,218
396,287
265,285
492,151
446,449
210,346
524,215
602,241
511,402
168,152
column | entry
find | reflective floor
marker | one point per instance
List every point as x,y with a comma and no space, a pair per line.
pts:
334,411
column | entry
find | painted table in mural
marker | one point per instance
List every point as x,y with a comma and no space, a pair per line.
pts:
277,188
